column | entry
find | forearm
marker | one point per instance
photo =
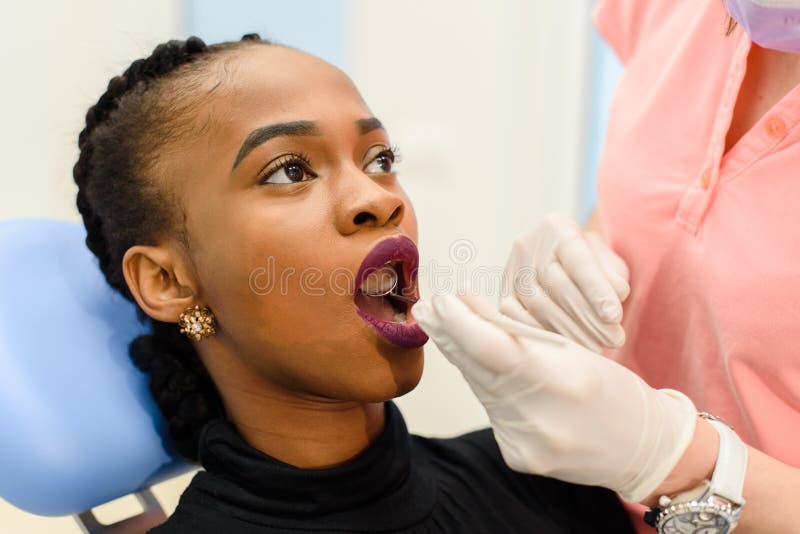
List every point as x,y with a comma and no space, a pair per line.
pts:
772,495
771,488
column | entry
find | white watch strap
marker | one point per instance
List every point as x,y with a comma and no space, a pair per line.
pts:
728,478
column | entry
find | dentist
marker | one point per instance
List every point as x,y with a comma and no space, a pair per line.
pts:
697,209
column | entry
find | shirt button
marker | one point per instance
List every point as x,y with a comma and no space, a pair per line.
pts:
705,180
775,127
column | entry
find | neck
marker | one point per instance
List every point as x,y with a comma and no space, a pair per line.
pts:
299,429
309,433
770,75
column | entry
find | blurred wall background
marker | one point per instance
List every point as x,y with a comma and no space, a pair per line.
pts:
497,109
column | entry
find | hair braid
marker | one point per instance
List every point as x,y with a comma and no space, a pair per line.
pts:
179,384
120,208
165,58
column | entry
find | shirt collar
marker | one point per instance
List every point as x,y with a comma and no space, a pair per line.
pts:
377,477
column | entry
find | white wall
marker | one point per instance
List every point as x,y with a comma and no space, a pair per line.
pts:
56,59
484,99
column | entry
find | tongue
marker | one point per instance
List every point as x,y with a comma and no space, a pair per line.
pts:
377,307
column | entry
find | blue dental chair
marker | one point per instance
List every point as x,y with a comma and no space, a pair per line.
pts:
79,427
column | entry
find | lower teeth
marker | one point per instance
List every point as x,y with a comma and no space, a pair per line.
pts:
400,317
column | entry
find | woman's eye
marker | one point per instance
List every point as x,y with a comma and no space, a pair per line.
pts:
290,172
382,164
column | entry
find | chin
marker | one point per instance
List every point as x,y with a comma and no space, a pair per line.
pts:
402,375
408,375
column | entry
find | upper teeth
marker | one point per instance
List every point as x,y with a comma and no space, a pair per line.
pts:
380,282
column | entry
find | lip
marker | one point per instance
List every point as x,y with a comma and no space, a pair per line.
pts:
400,248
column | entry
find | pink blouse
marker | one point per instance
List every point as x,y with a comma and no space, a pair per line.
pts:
709,236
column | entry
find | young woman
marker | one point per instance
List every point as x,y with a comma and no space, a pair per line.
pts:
229,188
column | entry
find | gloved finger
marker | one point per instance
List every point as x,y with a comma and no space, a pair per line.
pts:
477,341
426,317
524,289
615,267
567,296
584,269
511,307
541,312
528,372
536,308
545,310
519,277
475,303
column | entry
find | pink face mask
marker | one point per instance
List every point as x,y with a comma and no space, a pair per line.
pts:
771,24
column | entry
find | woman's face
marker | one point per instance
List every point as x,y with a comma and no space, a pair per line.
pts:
287,188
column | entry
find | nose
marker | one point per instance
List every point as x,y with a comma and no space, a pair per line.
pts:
363,202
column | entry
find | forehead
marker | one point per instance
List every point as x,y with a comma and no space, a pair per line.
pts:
259,84
248,88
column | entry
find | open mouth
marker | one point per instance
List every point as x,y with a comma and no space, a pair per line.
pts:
387,292
386,288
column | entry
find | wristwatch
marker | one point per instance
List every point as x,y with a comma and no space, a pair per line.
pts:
712,507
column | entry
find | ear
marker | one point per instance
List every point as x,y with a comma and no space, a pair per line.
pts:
159,281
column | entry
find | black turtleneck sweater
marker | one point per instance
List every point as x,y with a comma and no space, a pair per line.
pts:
399,484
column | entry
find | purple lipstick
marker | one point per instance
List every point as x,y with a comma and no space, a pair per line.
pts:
390,314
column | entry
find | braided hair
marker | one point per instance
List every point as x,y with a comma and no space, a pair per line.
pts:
121,207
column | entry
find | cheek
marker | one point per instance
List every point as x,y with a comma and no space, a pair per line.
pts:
284,295
287,287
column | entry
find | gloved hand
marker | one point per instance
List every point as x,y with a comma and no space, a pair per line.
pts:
567,281
560,410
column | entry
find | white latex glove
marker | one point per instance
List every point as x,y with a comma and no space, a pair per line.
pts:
567,281
560,410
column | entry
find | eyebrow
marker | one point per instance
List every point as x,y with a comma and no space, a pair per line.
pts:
261,135
367,125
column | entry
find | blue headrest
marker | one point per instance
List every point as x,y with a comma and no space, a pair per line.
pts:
79,427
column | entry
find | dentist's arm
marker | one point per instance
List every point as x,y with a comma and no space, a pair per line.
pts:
560,410
771,488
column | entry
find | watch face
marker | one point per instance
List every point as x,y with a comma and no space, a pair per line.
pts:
696,523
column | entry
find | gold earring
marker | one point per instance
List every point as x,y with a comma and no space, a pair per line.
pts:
197,323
